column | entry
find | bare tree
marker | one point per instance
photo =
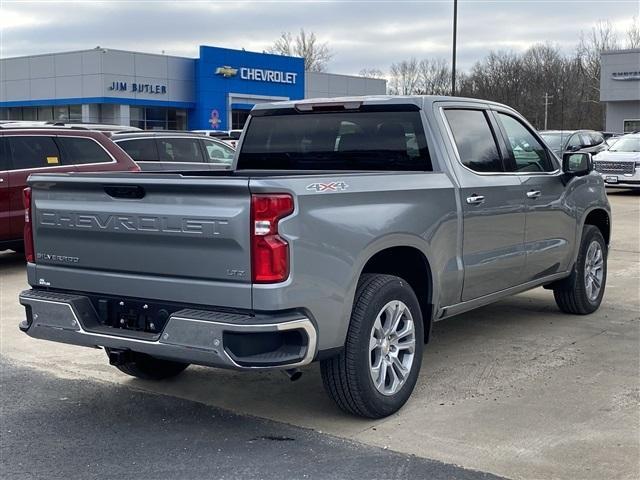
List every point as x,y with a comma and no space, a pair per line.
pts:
601,38
316,55
633,33
372,73
404,77
434,77
568,84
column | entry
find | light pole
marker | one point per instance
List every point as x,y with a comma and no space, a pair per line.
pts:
546,107
453,61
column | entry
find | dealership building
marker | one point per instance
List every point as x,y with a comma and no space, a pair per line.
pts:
620,89
214,91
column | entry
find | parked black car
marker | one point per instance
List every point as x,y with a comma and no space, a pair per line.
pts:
562,141
171,151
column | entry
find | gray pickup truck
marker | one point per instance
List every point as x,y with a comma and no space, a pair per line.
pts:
345,229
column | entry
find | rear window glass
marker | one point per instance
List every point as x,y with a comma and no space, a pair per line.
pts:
82,150
358,140
142,150
474,140
218,152
180,150
34,152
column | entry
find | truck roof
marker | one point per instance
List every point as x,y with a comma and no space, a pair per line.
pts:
420,101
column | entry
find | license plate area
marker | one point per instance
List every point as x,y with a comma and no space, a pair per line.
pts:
134,315
611,178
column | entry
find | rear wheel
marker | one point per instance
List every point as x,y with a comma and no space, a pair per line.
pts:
582,292
146,367
379,366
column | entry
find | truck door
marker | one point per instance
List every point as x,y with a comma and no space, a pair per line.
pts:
550,228
492,206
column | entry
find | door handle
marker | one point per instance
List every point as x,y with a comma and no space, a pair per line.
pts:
475,199
533,193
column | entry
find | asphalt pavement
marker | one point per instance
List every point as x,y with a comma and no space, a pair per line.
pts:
74,429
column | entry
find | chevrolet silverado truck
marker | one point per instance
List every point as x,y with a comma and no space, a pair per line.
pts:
345,229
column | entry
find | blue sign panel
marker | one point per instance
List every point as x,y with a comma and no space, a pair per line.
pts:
225,76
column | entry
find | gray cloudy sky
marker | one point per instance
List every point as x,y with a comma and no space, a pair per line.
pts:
362,34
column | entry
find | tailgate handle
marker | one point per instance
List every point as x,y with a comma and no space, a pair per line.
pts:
133,192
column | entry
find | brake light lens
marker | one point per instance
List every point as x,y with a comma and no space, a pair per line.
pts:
28,226
269,251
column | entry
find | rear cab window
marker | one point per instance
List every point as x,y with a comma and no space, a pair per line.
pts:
374,139
474,139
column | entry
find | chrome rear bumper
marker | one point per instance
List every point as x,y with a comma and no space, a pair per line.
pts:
189,336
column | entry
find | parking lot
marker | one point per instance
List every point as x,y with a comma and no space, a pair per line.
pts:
516,389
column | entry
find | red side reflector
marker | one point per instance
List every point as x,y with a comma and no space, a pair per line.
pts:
269,251
28,226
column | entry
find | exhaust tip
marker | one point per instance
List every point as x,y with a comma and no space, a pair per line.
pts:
293,374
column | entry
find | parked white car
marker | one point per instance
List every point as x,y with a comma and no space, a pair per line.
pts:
620,165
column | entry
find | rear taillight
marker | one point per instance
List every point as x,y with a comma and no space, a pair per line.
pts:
28,226
269,251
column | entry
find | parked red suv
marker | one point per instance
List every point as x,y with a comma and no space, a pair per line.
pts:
25,151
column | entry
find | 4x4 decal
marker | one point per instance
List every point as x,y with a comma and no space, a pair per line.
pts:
328,187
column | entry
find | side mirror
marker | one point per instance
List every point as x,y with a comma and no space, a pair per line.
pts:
577,164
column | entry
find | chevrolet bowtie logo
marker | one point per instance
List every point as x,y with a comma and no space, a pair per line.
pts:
226,71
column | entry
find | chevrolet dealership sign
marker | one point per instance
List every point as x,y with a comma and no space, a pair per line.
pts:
626,76
258,74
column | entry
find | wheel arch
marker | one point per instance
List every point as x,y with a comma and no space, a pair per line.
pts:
411,264
600,218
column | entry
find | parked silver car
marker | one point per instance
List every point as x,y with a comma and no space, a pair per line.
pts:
620,165
172,151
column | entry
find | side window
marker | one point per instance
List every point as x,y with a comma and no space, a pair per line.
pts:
586,140
82,150
4,154
596,138
574,142
179,150
140,150
528,153
34,152
474,139
218,153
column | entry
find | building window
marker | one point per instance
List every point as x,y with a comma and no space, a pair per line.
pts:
631,126
158,118
239,118
58,113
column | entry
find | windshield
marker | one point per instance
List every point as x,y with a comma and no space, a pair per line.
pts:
629,144
554,140
345,140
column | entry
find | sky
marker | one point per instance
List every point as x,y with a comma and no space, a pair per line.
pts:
361,34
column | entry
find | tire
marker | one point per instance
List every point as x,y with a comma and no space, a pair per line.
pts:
147,367
348,378
573,294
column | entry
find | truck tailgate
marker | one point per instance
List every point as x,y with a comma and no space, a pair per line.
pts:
146,236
